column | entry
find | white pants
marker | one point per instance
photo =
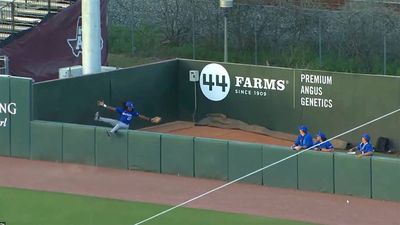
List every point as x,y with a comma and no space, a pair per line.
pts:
115,123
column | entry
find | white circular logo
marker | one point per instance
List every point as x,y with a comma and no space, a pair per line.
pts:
215,82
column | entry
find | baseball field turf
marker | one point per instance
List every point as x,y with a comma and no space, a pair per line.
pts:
22,207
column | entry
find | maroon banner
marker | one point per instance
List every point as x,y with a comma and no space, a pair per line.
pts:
53,44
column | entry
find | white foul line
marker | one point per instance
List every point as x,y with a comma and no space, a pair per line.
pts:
261,169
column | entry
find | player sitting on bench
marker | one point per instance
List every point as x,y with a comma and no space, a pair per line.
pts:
365,148
304,140
323,145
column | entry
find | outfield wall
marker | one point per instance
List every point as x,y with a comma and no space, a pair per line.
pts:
328,101
15,116
216,159
151,87
282,99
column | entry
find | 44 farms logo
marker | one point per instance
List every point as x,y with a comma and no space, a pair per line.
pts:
215,84
76,43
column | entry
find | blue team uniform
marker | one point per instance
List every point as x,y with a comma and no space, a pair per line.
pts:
326,145
323,144
126,116
365,148
305,141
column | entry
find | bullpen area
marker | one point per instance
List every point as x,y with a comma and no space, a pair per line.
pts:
51,143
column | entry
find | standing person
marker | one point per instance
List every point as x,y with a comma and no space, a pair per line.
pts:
323,145
126,115
304,140
365,148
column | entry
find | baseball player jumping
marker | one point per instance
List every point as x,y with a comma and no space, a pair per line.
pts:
126,115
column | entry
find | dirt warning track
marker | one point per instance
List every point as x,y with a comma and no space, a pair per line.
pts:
167,189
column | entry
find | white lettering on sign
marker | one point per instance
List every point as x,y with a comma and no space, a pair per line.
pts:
316,79
258,83
10,108
7,108
312,93
3,123
215,84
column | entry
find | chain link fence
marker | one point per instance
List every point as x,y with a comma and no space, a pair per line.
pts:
348,36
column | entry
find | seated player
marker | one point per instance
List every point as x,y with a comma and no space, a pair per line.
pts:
323,145
126,115
304,140
365,148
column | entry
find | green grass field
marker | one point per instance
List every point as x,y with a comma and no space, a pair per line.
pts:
21,207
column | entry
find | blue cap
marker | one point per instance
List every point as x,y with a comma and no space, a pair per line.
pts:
129,104
366,137
303,128
322,135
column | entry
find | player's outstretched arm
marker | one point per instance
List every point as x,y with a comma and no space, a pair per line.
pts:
153,120
143,117
102,104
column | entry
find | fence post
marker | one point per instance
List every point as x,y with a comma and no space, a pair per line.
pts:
48,6
320,40
132,20
255,43
193,30
13,17
6,66
225,35
384,54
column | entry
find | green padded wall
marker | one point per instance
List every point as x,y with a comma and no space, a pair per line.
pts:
352,175
283,175
177,155
79,144
386,178
5,131
144,151
46,141
211,158
268,110
245,158
21,94
285,110
151,87
111,151
70,100
345,114
315,171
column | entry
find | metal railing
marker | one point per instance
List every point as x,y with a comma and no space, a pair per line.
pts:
4,65
18,15
7,24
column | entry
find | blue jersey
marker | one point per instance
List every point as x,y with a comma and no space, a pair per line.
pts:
126,116
326,145
365,148
305,141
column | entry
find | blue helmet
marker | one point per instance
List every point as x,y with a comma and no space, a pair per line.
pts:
303,128
366,137
322,135
129,104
